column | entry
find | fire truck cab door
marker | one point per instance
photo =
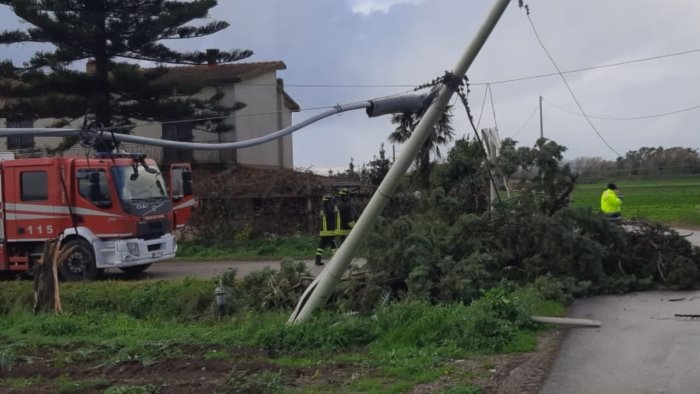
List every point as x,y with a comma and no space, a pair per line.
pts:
34,210
181,193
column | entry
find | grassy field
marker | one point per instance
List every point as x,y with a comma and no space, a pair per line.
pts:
671,201
164,337
295,246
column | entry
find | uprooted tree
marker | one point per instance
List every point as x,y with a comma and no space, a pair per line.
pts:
452,247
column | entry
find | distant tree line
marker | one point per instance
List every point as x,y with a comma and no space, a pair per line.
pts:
642,162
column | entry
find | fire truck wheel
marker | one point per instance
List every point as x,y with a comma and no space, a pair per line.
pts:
79,265
135,269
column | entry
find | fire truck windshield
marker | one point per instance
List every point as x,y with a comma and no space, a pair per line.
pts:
135,183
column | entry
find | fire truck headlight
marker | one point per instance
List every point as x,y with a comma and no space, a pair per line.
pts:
133,248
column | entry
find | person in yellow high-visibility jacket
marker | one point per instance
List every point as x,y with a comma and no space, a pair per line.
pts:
345,215
611,202
328,228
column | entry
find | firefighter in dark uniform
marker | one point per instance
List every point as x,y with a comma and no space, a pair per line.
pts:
345,215
327,233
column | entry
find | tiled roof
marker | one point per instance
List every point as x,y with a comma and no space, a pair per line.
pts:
224,72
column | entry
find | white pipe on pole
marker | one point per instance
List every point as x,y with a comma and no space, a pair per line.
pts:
190,145
321,288
374,107
567,321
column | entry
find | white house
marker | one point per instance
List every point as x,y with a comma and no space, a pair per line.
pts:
268,108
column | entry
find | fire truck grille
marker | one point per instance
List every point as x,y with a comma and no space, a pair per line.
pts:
152,229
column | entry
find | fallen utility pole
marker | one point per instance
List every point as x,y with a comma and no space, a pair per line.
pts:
321,288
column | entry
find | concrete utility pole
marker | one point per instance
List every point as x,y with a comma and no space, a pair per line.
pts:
541,120
321,288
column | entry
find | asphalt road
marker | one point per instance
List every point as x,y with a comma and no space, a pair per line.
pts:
641,347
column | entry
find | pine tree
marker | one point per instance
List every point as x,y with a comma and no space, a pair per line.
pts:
378,167
442,133
108,33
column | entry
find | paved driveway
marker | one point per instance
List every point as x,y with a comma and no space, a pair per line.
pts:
642,347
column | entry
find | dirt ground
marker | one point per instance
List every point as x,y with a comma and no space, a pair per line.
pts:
253,371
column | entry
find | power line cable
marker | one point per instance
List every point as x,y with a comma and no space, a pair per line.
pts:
483,105
578,104
493,108
596,67
534,111
496,82
465,103
659,115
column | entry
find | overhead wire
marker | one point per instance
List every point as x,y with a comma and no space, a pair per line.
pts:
596,67
465,103
659,115
534,111
578,104
483,105
493,108
496,82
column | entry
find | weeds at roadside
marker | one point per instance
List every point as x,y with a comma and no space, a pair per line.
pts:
215,354
402,345
245,381
463,388
19,383
7,360
132,389
295,246
65,385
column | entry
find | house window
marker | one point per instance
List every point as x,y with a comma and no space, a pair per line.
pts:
181,131
15,142
34,186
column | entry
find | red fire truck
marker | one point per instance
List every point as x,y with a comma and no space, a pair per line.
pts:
115,208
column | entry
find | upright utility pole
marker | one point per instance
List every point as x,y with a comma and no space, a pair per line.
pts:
541,124
321,288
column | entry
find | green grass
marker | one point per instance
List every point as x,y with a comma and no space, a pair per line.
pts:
18,383
294,246
402,345
671,201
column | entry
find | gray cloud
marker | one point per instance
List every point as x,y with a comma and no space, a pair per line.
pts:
325,42
367,7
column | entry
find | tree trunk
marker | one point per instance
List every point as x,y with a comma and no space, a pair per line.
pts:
47,294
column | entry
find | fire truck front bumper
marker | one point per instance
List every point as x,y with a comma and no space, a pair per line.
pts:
135,251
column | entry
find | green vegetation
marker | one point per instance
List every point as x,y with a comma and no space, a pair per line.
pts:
296,246
449,276
48,85
674,201
403,344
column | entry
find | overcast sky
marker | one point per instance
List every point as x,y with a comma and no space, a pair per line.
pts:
403,43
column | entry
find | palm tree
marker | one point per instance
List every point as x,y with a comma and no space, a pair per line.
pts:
442,134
